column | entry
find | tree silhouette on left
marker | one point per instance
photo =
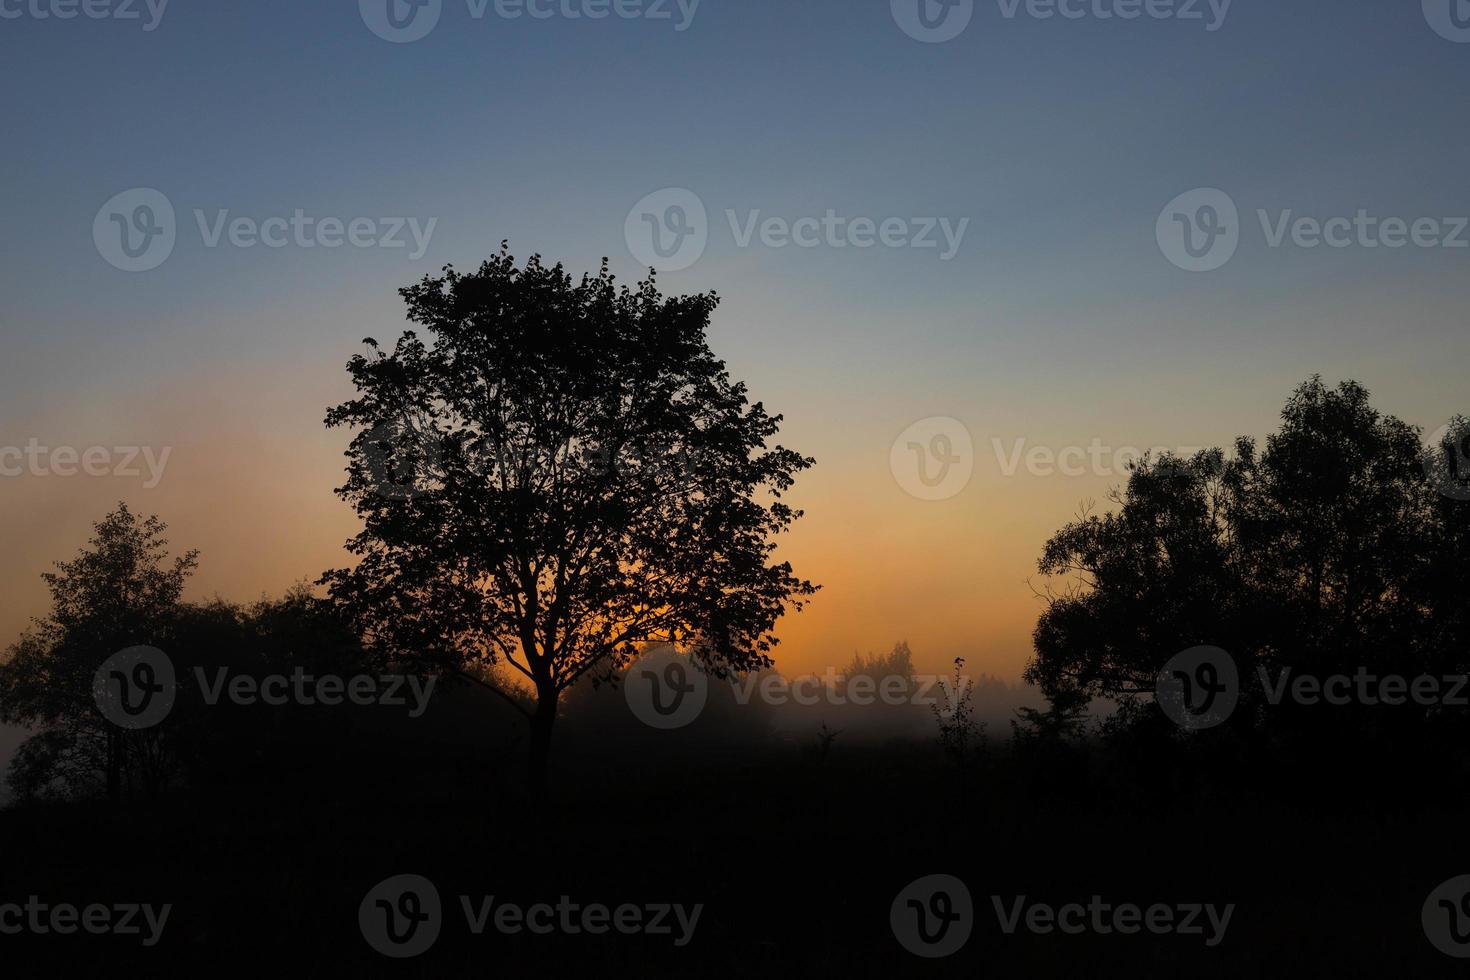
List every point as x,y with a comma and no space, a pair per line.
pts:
565,473
120,591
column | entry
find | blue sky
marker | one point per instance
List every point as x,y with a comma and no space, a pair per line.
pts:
1058,320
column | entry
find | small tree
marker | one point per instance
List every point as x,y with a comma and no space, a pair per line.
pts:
119,592
563,473
959,732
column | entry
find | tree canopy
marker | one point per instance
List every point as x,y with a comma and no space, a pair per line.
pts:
1341,543
561,472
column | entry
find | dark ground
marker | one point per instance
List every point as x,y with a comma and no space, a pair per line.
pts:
795,858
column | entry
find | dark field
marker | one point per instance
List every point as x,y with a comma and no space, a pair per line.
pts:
795,858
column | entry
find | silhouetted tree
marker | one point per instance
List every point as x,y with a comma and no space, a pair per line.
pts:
1326,550
121,591
897,663
566,471
1064,719
960,735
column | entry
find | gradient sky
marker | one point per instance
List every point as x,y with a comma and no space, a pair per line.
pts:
1058,322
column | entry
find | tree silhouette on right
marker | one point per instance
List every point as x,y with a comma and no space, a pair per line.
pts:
1337,547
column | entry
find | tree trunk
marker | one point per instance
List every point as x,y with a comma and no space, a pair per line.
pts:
542,723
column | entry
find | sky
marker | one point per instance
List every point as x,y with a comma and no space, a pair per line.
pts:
1109,281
